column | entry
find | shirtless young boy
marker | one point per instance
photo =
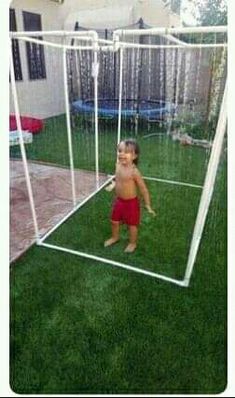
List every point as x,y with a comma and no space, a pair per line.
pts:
126,207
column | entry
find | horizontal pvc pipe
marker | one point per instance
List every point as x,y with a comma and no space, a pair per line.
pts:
55,45
115,263
92,35
71,212
166,31
167,181
174,40
122,44
188,46
173,182
108,48
61,33
152,31
105,41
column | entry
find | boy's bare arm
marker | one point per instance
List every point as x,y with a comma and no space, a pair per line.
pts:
143,190
111,186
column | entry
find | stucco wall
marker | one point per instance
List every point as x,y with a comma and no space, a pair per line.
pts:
153,12
45,97
50,11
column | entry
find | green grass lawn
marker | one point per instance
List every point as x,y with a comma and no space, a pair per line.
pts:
83,327
164,240
160,156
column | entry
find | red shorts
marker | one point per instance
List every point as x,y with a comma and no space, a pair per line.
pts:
126,211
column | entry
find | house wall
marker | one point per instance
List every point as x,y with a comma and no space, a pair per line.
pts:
153,13
45,97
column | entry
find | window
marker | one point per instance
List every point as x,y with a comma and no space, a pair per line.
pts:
15,47
35,52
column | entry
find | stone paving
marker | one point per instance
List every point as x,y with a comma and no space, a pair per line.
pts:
51,186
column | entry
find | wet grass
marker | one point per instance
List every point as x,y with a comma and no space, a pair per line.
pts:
83,327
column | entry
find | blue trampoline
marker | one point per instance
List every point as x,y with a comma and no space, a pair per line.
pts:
151,110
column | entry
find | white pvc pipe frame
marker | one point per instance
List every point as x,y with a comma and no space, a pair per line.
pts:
212,166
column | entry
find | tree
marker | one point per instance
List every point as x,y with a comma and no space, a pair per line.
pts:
174,5
210,12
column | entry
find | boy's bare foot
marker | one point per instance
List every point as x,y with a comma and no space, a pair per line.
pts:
130,248
110,242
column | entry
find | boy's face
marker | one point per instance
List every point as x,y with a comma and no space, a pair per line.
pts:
125,154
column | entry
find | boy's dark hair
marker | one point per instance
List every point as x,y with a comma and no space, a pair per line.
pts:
130,142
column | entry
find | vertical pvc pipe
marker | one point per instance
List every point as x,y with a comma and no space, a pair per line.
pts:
178,67
208,188
170,92
120,95
22,147
96,121
69,127
77,68
95,76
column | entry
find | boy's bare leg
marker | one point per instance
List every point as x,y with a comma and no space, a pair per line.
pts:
115,234
133,232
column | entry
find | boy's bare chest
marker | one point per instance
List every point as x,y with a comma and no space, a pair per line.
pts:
124,173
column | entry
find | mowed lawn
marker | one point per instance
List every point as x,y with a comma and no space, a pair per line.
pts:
83,327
